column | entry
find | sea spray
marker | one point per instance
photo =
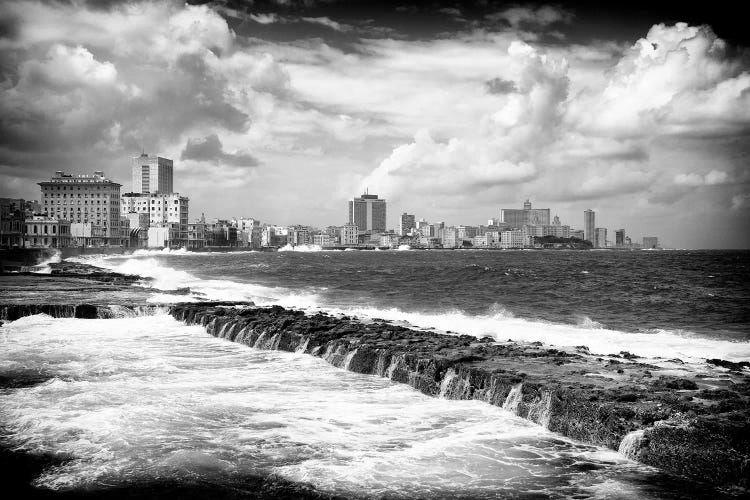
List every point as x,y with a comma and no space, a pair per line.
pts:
301,248
514,398
631,444
540,410
445,384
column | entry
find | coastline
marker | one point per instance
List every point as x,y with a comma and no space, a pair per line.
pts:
693,426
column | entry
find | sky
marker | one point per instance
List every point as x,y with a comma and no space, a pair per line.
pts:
284,110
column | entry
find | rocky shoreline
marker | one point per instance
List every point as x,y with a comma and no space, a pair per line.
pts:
696,425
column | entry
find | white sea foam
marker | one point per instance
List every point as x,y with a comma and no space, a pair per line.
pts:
146,397
167,278
301,248
44,266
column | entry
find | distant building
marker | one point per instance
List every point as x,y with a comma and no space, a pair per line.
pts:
85,199
45,231
368,213
389,240
600,237
650,242
349,234
86,234
517,218
620,238
167,235
466,232
299,235
273,236
12,222
406,223
589,217
450,238
514,239
248,232
324,240
196,234
152,174
480,241
161,209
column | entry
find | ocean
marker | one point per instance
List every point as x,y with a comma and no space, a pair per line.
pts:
146,399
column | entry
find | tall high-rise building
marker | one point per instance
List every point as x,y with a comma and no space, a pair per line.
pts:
620,238
406,223
517,218
85,199
368,212
589,217
152,174
600,238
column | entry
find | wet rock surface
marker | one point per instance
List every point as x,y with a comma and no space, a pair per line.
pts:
692,423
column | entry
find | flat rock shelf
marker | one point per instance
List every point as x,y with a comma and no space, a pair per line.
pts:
695,424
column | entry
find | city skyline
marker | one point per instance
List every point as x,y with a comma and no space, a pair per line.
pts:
285,112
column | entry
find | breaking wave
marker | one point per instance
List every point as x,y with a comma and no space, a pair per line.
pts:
497,322
301,248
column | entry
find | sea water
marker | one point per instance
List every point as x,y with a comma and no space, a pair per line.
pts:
143,399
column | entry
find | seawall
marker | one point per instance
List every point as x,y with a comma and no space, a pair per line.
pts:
693,425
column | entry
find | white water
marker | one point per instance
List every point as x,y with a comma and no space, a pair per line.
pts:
301,248
497,323
44,266
630,443
147,397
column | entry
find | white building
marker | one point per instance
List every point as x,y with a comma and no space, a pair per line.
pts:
514,239
162,209
450,238
44,231
152,174
600,237
85,199
324,240
349,234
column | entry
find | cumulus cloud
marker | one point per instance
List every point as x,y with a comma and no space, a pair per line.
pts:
676,80
712,178
503,151
210,149
161,71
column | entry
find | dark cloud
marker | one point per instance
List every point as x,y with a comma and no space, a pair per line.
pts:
210,149
500,86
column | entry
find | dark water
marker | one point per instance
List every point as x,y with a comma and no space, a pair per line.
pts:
685,304
699,291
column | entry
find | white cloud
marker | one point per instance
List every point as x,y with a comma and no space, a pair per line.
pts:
69,67
677,79
327,22
712,178
264,18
